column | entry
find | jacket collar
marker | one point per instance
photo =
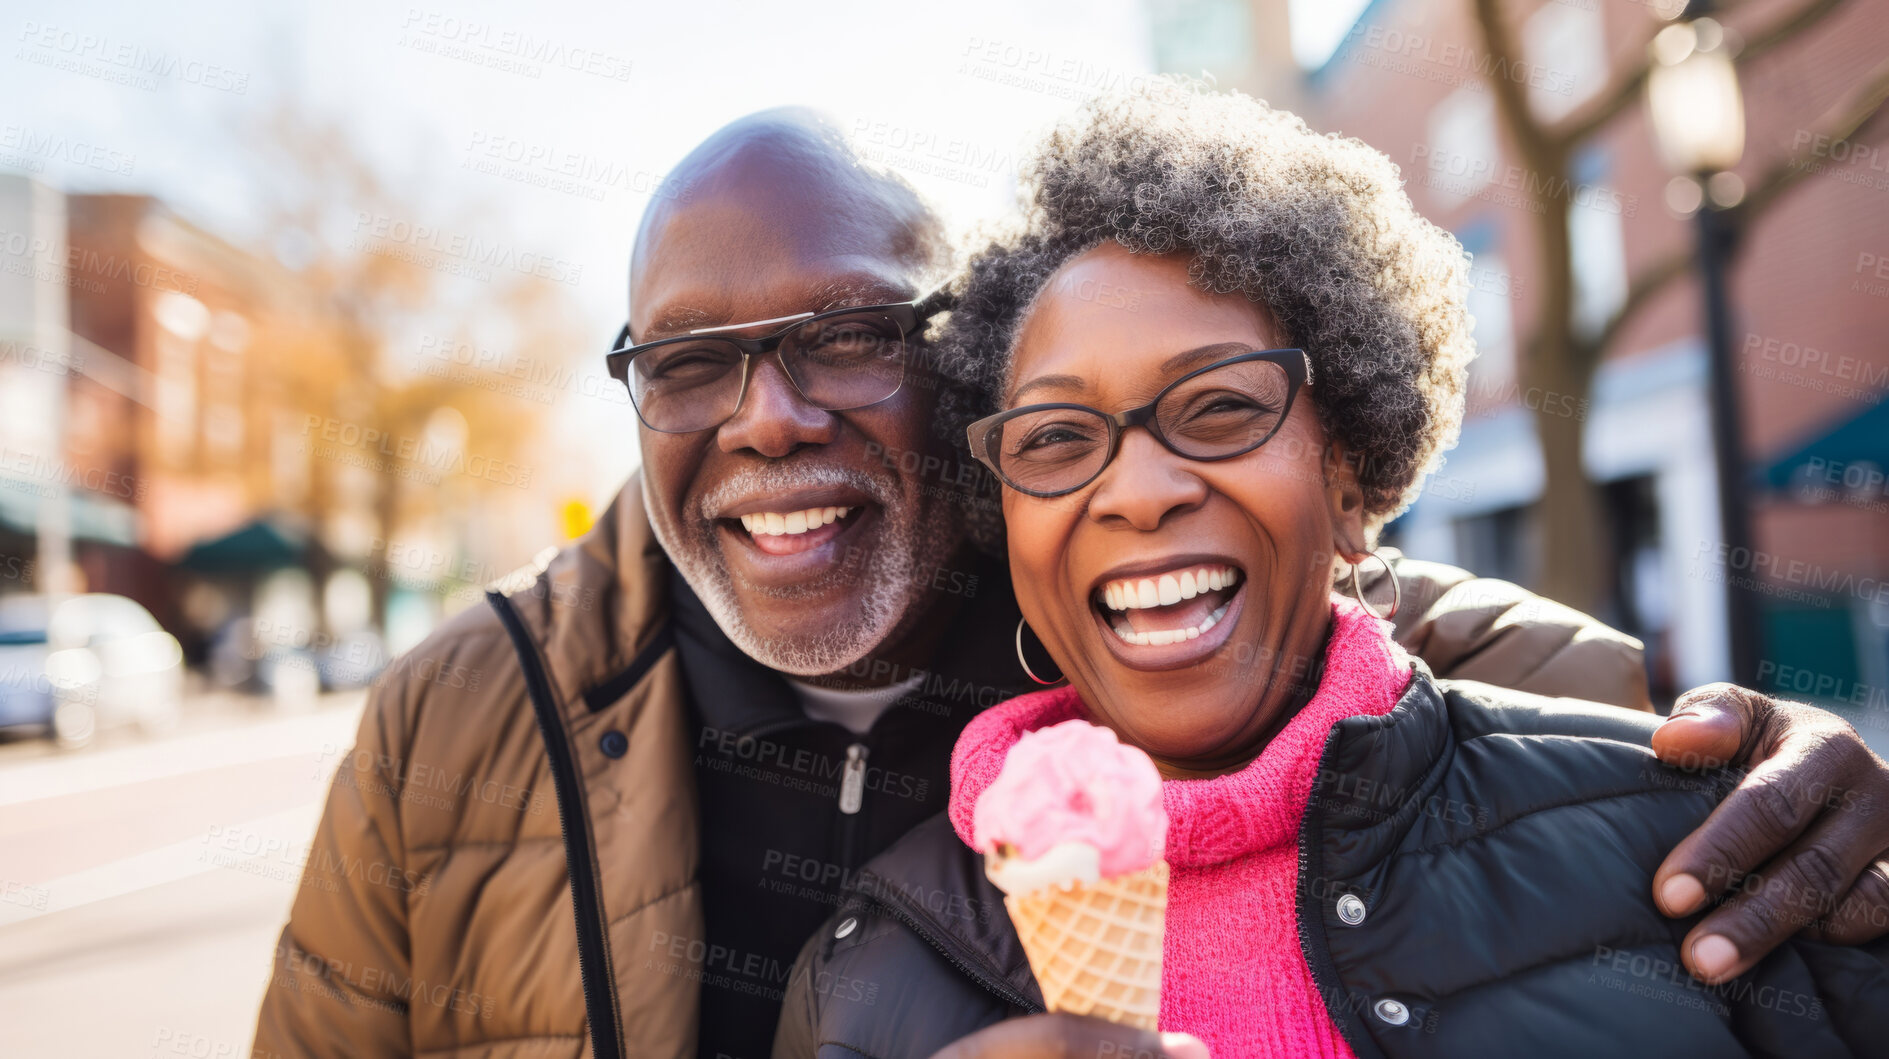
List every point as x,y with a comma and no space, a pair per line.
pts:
732,692
595,605
1377,774
936,885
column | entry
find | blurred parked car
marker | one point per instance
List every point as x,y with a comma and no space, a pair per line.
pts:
76,664
252,655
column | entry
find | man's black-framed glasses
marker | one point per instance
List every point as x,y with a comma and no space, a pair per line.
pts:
838,360
1226,409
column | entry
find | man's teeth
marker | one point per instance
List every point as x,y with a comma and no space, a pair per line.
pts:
776,523
1168,589
1157,637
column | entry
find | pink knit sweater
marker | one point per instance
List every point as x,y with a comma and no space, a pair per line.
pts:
1232,970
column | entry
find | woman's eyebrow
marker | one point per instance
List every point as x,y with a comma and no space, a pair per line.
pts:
1054,382
1174,365
1180,362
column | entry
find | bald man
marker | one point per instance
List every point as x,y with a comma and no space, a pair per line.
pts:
602,814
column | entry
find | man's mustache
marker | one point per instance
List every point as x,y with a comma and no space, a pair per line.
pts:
780,478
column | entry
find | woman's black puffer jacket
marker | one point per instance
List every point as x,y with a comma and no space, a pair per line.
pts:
1475,879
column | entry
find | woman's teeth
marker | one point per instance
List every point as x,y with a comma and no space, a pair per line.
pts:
1168,589
1157,637
776,523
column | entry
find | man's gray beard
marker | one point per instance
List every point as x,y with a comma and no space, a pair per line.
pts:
915,538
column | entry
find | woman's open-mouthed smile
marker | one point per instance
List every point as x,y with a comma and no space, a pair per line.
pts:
1183,582
1169,613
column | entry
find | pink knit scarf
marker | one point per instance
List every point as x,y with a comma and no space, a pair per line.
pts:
1232,970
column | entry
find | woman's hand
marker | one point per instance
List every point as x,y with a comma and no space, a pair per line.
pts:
1803,840
1071,1037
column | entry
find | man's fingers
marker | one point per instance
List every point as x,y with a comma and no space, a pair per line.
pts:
1766,811
1705,736
1709,727
1713,725
1105,1040
1802,886
1863,913
1061,1036
1798,843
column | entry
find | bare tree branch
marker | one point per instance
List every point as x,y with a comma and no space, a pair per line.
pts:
1626,88
1845,119
1616,97
1848,117
1786,27
1647,282
1498,41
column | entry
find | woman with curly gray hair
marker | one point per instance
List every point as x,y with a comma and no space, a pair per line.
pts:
1217,354
1315,229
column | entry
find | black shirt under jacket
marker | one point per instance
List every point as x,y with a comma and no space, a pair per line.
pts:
779,846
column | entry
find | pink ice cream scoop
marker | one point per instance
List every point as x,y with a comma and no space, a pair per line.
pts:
1063,788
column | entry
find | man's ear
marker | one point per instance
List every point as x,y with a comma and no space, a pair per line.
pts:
1345,499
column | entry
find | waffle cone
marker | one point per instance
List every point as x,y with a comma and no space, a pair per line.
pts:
1096,949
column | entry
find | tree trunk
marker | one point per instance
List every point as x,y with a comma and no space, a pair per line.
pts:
1571,552
1571,560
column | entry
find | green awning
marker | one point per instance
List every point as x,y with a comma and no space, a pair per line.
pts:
258,547
1863,438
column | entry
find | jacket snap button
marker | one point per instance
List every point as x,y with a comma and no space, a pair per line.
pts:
614,743
1392,1012
1351,910
846,927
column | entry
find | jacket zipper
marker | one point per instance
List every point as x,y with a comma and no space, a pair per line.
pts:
1318,958
593,962
965,967
853,779
852,801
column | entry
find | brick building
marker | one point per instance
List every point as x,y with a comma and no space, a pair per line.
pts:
1810,301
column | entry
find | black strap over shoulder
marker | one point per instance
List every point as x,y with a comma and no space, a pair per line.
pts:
593,948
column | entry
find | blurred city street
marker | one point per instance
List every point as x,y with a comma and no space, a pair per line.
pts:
143,883
318,321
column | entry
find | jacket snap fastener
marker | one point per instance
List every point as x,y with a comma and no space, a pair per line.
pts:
1392,1012
846,927
613,743
1351,910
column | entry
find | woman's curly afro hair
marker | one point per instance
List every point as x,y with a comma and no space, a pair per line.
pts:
1315,228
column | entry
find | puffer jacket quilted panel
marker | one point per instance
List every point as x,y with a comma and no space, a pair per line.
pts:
1503,846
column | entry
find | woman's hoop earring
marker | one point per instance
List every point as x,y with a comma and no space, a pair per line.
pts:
1021,623
1397,590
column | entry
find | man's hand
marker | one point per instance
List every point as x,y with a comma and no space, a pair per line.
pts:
1071,1037
1803,842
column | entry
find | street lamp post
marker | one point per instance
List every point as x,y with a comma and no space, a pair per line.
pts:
1698,120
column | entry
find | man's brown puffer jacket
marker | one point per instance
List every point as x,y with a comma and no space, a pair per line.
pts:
437,914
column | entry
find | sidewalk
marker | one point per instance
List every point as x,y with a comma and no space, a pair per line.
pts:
152,877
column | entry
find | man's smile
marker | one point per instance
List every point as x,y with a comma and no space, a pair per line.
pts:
783,551
779,533
783,539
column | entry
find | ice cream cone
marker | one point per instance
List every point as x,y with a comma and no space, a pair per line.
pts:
1096,947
